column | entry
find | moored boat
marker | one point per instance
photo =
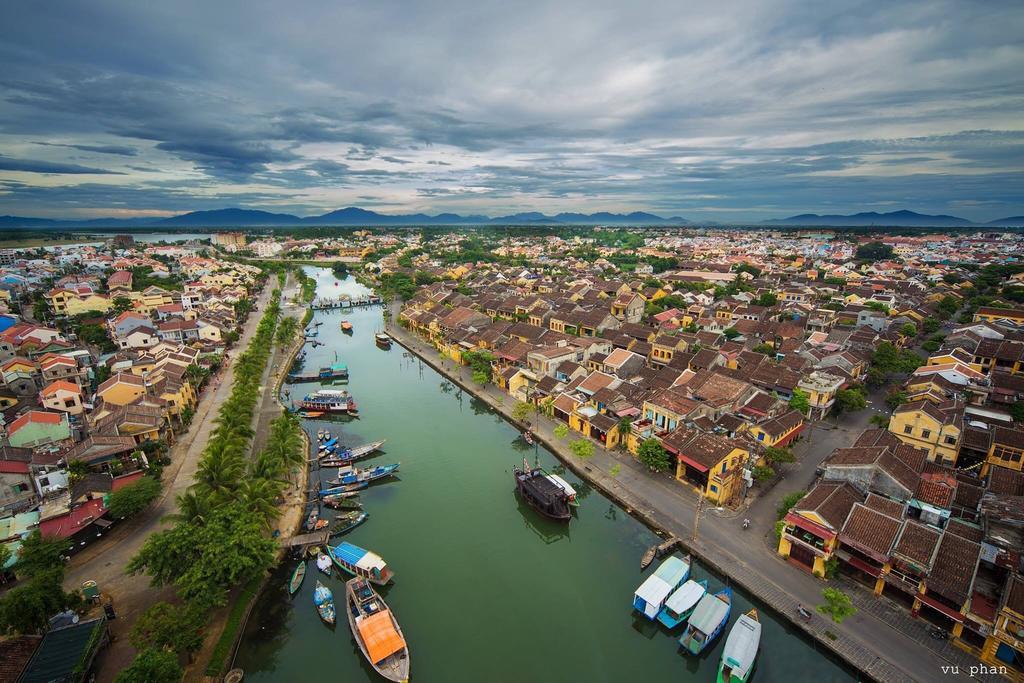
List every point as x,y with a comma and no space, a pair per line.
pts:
319,435
346,522
541,493
707,621
383,340
311,520
323,562
681,603
347,488
297,576
342,501
328,401
376,631
324,601
348,475
346,326
650,597
327,445
361,563
740,649
354,453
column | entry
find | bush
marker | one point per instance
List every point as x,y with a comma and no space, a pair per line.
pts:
837,605
582,448
654,456
171,627
133,499
762,473
787,503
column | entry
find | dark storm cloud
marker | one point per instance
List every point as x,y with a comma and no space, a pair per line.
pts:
762,108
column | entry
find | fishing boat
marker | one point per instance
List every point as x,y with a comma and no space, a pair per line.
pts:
346,326
361,563
311,520
383,340
351,475
324,601
347,522
327,445
528,438
570,492
681,603
356,452
329,401
323,563
338,502
541,493
740,649
707,621
347,489
327,434
650,597
319,435
297,576
333,371
376,630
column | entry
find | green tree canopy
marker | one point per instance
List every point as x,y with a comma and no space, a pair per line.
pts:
152,666
653,455
874,251
173,627
800,401
837,605
133,499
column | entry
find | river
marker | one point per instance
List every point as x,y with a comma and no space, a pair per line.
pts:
485,589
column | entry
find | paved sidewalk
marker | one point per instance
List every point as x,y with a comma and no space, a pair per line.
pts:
885,650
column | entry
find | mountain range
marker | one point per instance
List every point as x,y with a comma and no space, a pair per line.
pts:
354,216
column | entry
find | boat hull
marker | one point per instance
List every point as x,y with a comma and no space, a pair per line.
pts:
394,667
557,510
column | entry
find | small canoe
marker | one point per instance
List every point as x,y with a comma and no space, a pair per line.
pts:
324,601
347,522
297,576
346,326
343,501
740,649
312,414
347,488
376,630
320,435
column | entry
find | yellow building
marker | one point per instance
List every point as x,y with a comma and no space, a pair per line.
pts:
935,427
711,464
991,314
1006,642
810,530
778,432
1005,450
67,301
121,389
821,389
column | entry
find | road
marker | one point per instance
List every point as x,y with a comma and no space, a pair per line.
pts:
105,560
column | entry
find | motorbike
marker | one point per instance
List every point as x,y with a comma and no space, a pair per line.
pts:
804,613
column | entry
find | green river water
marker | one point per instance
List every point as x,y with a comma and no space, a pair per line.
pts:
485,588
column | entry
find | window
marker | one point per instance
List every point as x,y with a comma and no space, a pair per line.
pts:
714,489
760,436
44,481
908,429
926,433
951,440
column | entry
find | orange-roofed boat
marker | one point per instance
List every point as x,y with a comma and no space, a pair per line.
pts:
376,630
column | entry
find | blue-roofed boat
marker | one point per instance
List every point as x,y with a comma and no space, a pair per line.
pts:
682,602
361,562
740,649
324,601
350,475
707,621
650,597
354,453
329,444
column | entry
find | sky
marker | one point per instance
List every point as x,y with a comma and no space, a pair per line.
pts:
729,111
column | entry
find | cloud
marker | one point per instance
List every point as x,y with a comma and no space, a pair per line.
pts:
120,150
36,166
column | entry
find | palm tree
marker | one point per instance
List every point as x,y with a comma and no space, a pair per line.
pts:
260,496
193,508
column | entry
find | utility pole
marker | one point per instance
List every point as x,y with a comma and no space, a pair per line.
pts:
696,518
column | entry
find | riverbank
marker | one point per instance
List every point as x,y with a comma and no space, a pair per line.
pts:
863,641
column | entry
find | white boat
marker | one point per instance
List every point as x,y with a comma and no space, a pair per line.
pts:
650,597
740,649
569,490
681,603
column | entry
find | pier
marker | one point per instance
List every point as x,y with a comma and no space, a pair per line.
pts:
328,304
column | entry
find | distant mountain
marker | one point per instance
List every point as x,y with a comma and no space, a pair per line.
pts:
1011,222
230,217
899,219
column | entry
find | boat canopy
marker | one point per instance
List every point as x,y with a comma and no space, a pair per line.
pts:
741,645
379,635
685,597
656,588
323,562
709,613
358,557
563,483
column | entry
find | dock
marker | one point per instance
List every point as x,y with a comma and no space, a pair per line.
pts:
656,551
328,304
307,540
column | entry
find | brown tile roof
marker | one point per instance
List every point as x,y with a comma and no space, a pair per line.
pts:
953,571
916,545
831,502
870,531
885,505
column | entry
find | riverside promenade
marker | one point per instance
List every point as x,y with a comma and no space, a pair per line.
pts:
886,645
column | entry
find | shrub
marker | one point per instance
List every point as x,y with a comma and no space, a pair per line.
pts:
133,499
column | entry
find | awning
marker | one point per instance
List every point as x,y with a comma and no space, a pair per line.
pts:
692,463
864,566
380,637
809,526
939,607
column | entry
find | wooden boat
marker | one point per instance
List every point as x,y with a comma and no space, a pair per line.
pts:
346,326
528,438
234,676
376,630
347,522
328,445
321,524
682,602
328,401
650,597
707,621
348,488
570,492
319,435
355,452
311,520
324,601
351,475
540,493
323,562
327,434
343,501
297,576
740,649
361,563
383,340
656,551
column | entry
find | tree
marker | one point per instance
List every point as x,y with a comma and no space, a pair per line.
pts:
731,333
653,455
850,400
152,666
762,473
768,299
481,377
776,456
133,499
787,503
880,421
895,398
582,448
765,348
5,556
800,401
908,330
874,251
172,627
122,304
837,605
77,470
39,554
28,607
561,431
522,410
948,306
930,325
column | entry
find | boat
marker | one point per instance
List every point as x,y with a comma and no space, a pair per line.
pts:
329,401
319,435
740,649
356,452
681,603
347,522
656,551
312,414
542,494
570,492
311,520
328,444
376,630
361,563
342,501
333,371
351,475
528,438
707,621
323,563
383,340
346,326
297,576
650,597
324,601
327,434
